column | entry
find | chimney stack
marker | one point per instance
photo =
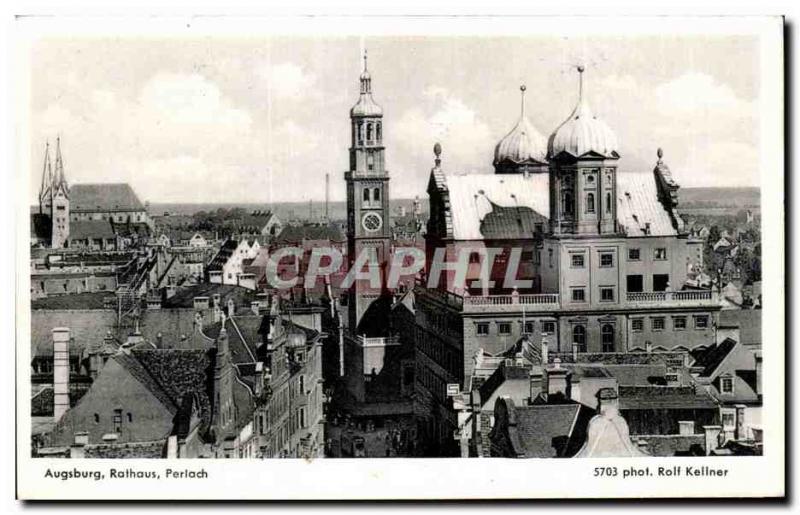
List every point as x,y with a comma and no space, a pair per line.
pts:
607,401
60,372
545,353
740,432
554,380
231,308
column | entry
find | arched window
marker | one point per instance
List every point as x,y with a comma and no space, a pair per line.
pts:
579,337
378,134
96,418
360,133
366,195
607,332
369,132
590,202
567,206
376,195
608,202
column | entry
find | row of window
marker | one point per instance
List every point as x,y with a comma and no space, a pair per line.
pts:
607,294
679,323
376,194
568,205
578,259
504,328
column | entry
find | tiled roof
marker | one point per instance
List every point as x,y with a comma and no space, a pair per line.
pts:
664,397
89,229
474,196
135,368
103,197
315,232
711,358
223,255
86,300
179,373
184,296
638,205
504,223
546,430
638,375
244,336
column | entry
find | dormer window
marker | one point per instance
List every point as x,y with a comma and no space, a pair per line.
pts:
726,384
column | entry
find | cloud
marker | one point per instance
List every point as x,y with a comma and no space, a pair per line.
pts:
698,93
446,119
288,80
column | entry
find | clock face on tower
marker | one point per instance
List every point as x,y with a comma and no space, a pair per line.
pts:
371,222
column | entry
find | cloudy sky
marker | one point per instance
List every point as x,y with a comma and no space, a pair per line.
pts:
261,120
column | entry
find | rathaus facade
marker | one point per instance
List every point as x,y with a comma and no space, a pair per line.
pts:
602,256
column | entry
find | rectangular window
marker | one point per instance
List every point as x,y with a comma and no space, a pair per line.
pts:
301,415
577,260
728,420
482,328
701,322
635,284
660,282
548,327
657,324
679,323
117,420
637,325
660,253
578,295
550,256
606,259
726,384
634,255
606,294
504,328
529,327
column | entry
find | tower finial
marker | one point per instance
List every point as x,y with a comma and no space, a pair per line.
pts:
437,151
660,154
365,59
522,95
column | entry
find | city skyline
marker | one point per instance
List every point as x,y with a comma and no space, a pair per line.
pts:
238,96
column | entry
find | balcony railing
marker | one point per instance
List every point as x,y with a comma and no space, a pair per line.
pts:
672,297
542,301
378,341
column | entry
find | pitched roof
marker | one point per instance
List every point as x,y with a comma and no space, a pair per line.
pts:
474,196
546,430
664,397
223,255
86,300
103,197
184,296
638,205
315,232
244,336
178,373
89,229
709,359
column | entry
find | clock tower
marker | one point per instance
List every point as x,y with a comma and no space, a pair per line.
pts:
367,181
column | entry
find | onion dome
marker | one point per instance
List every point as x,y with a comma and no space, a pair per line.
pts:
523,145
583,132
366,106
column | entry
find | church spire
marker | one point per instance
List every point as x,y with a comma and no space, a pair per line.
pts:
47,178
59,179
522,101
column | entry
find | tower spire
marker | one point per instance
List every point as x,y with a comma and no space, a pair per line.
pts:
47,177
522,101
366,80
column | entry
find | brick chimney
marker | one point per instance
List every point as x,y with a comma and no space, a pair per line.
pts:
60,372
231,308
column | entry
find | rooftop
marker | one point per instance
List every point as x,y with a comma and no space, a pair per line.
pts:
103,197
